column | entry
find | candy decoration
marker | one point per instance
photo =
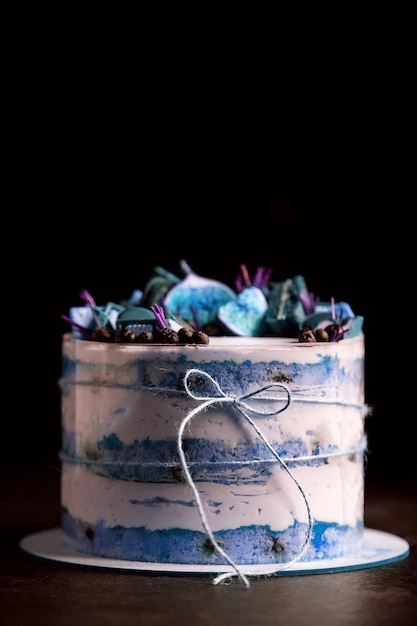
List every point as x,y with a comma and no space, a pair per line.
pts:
245,316
286,311
196,308
198,298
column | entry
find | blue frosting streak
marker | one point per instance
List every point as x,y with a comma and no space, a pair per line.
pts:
245,545
158,461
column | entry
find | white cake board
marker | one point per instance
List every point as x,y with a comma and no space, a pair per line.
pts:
379,548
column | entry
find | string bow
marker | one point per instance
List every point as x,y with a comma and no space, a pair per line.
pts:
242,404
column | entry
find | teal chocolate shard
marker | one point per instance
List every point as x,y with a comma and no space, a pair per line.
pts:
286,311
138,319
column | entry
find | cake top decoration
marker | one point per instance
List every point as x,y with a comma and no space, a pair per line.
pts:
190,309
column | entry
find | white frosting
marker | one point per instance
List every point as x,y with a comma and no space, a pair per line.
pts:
334,493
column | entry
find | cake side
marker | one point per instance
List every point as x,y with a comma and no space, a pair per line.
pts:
123,490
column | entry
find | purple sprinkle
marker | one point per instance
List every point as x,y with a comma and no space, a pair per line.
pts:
87,297
84,330
158,311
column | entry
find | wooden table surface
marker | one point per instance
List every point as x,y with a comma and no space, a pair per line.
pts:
38,592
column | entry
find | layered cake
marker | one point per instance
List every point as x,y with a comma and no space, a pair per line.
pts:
220,442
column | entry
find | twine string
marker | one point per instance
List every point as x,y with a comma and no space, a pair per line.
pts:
243,406
325,456
167,391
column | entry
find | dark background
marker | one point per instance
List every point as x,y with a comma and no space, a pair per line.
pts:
220,133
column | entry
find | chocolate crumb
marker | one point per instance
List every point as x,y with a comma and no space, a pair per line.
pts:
144,337
321,334
127,336
165,335
306,335
185,334
103,334
333,330
199,336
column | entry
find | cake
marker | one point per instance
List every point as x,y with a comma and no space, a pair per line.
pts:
240,448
